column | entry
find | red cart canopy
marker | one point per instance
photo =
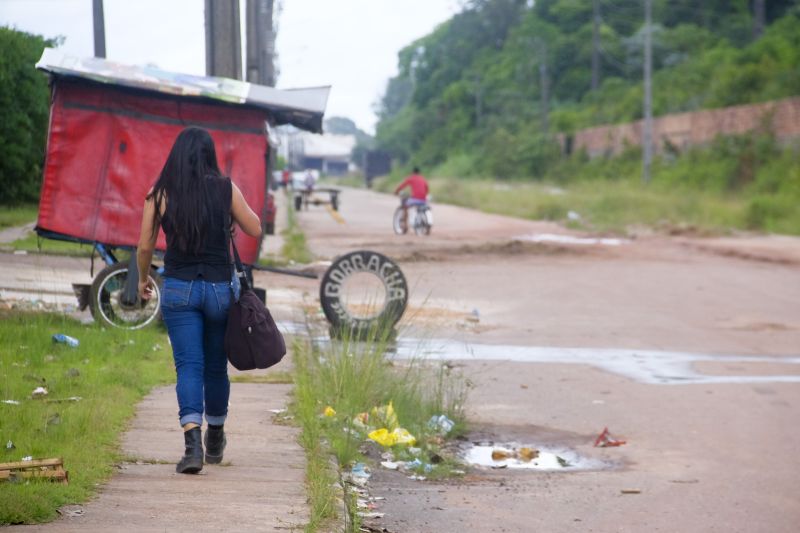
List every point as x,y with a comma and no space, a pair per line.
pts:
108,142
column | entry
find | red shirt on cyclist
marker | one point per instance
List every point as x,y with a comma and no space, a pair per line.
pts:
417,184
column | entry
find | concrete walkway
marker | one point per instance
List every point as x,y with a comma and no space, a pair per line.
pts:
258,487
11,234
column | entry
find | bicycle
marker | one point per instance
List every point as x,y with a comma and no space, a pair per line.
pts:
421,221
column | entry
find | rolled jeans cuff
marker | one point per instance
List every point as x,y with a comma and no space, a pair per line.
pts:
192,418
215,420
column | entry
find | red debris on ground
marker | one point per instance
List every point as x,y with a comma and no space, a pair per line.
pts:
605,440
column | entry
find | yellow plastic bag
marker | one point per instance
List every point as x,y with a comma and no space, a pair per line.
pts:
402,436
387,438
385,416
382,437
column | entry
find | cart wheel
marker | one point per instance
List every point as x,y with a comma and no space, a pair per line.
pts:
269,228
335,202
298,202
106,302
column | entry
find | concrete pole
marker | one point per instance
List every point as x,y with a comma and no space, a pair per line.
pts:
544,87
99,28
647,133
759,18
223,39
260,42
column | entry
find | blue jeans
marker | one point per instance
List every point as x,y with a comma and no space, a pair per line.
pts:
196,313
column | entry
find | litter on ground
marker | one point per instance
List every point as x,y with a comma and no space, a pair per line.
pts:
606,440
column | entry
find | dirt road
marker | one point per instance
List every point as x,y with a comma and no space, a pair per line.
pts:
689,349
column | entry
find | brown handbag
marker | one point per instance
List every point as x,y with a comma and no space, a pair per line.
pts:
252,340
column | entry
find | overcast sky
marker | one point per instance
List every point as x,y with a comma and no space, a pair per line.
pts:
350,44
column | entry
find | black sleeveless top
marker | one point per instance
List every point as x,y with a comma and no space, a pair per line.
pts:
212,263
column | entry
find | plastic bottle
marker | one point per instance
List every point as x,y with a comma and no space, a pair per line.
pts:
66,339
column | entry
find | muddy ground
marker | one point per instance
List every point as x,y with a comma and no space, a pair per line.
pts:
711,439
687,348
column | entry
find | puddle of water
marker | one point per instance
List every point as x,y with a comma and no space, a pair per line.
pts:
644,366
570,239
512,456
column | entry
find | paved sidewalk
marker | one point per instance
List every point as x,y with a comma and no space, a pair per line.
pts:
261,488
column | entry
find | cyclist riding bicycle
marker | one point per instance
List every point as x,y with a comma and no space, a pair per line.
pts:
419,192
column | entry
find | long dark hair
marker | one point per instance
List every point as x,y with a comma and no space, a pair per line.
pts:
184,185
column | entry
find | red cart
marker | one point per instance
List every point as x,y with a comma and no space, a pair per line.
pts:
111,128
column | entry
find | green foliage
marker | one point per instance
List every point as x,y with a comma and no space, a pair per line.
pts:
24,108
32,243
111,370
473,85
17,216
746,182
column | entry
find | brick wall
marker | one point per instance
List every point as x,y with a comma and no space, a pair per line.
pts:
683,130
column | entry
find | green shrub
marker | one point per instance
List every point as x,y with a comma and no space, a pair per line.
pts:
24,109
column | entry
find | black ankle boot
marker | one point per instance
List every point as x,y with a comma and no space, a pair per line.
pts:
192,461
215,444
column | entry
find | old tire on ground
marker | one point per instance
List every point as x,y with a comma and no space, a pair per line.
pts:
107,307
338,311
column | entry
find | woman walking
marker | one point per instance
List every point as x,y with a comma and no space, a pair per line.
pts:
193,203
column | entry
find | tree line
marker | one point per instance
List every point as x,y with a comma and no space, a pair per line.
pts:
492,86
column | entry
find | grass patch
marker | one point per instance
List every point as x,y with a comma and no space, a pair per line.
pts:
32,243
737,182
321,476
111,371
295,249
603,207
18,215
277,376
353,381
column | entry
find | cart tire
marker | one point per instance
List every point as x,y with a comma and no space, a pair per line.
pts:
331,296
298,202
269,228
335,202
105,304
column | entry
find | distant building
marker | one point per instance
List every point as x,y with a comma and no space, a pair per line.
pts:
327,153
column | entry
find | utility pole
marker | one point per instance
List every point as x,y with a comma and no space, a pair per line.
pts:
99,28
223,39
595,44
647,133
544,86
478,101
759,18
260,42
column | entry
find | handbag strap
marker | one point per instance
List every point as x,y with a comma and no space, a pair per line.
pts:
240,272
239,266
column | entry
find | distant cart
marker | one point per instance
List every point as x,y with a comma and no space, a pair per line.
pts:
304,197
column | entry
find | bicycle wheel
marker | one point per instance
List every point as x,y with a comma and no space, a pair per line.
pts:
421,226
108,307
399,224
